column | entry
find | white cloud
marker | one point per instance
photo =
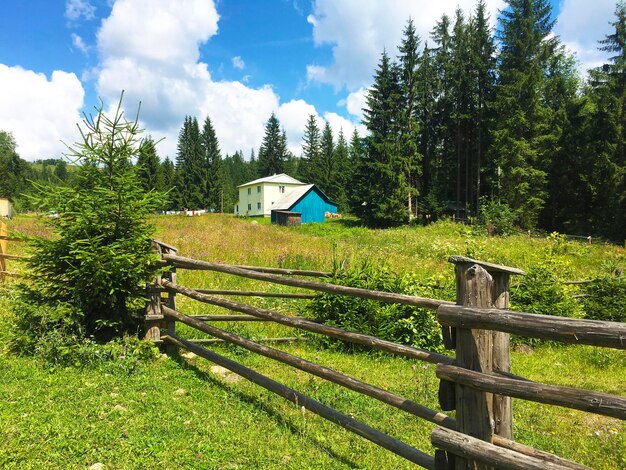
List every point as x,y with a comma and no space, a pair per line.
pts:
356,102
293,117
41,113
238,63
79,44
154,57
581,24
77,9
357,39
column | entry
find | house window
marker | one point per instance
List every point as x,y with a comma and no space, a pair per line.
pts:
249,191
258,205
237,209
249,207
281,189
258,189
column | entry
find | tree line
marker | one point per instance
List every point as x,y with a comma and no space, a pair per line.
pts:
467,118
503,116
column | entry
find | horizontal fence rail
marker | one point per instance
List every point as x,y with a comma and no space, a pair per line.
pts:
584,400
242,293
497,457
189,263
313,327
532,325
394,445
320,371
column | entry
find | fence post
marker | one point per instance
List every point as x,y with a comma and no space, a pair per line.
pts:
479,414
474,409
3,249
154,316
170,325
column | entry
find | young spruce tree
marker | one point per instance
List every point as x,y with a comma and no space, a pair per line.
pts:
99,258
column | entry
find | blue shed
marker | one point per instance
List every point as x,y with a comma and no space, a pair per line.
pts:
308,200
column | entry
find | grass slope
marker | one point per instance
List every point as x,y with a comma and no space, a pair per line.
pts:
181,413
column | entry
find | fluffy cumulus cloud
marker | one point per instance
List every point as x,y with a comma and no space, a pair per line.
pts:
238,63
581,24
357,40
40,112
77,9
150,49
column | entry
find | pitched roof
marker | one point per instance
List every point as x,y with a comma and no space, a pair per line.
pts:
279,179
291,197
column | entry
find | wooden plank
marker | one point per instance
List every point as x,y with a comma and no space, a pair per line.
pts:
490,455
394,445
164,245
536,453
489,267
567,330
289,339
315,369
227,317
286,272
501,357
585,400
313,327
13,257
278,295
188,263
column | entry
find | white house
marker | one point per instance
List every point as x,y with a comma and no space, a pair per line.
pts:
6,207
257,197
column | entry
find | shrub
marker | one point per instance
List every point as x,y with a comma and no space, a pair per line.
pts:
96,265
498,219
394,322
542,291
606,299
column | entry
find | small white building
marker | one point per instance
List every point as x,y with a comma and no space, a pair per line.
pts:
257,197
6,207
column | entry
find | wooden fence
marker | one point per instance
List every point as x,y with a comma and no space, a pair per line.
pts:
477,383
4,253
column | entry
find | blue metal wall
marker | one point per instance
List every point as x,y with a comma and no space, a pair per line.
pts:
312,207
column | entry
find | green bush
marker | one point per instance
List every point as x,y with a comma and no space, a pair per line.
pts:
606,299
542,291
99,258
394,322
496,218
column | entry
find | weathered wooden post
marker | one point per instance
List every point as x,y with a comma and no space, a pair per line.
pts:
170,325
3,249
154,316
479,414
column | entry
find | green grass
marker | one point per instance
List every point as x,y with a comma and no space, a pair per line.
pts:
177,413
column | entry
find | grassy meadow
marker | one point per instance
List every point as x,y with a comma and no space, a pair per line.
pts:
183,412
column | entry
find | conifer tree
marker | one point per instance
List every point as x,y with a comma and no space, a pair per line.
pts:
189,166
383,188
482,51
409,126
212,162
148,164
522,118
273,152
342,173
310,148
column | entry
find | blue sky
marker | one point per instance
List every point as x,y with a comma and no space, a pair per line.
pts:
233,60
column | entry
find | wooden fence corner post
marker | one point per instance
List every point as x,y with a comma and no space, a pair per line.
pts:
170,325
481,414
154,315
474,409
3,249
